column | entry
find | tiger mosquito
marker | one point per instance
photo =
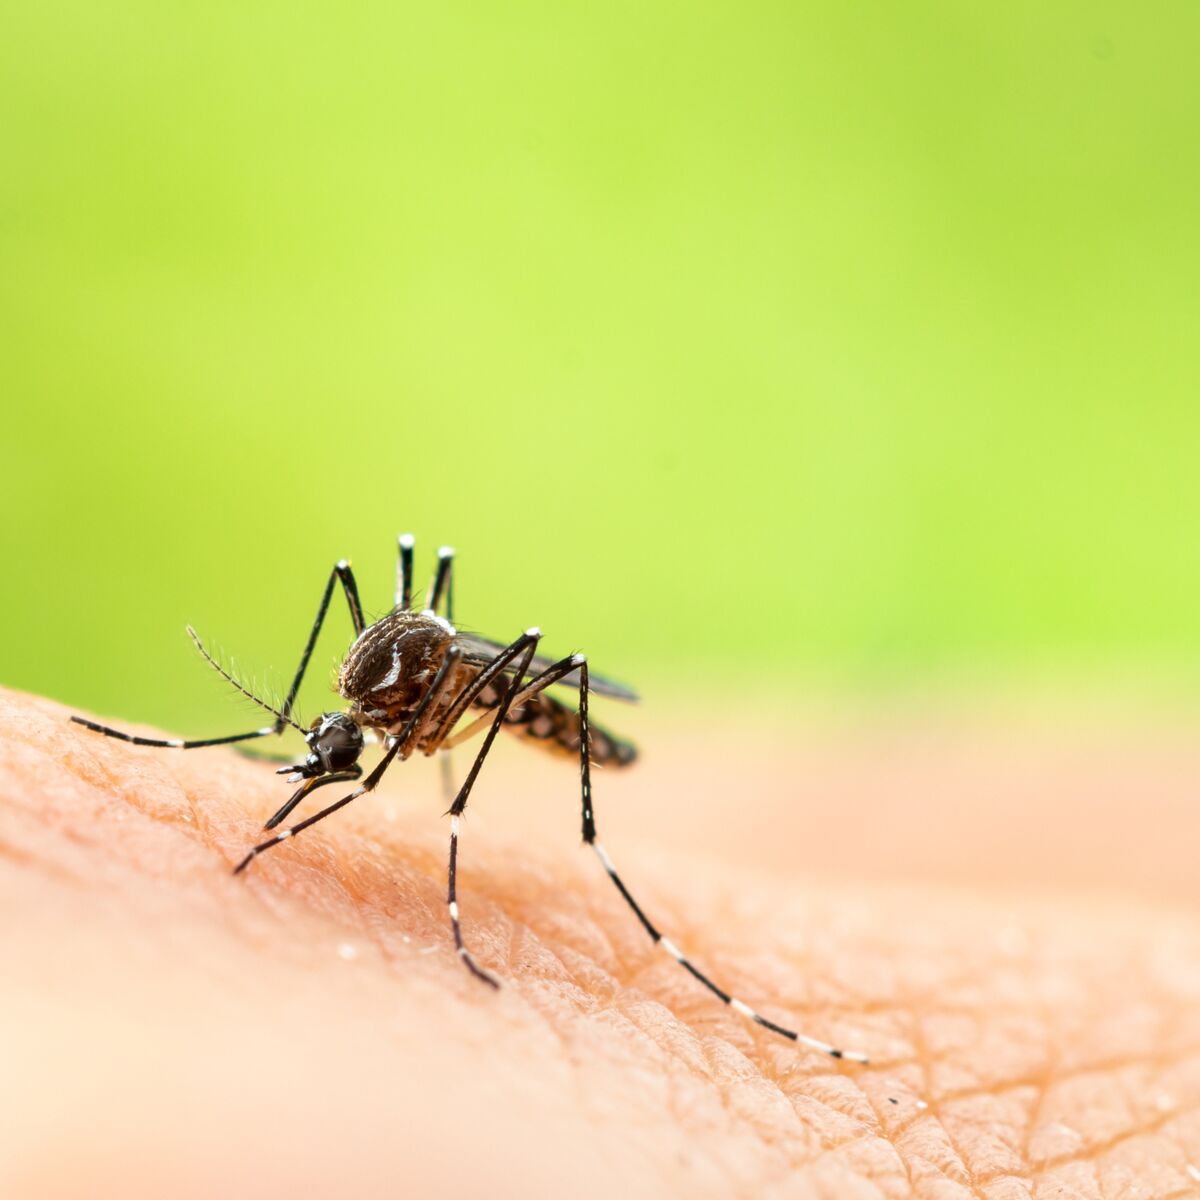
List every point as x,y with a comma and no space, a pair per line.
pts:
410,679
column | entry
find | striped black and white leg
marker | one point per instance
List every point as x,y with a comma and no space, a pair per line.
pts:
442,586
501,663
446,555
656,936
342,574
525,646
446,772
283,715
301,826
404,571
307,788
539,683
460,948
173,743
282,718
372,780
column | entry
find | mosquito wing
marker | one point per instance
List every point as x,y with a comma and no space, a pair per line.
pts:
480,651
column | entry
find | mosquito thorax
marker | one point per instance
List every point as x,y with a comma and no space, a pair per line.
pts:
390,665
335,741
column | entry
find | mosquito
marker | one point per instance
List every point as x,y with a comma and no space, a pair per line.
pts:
414,682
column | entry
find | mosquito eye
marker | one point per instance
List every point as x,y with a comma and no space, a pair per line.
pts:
339,743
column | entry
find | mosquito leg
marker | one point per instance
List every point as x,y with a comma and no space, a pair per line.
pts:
502,662
342,574
452,903
372,780
303,825
551,675
404,571
551,721
283,716
311,785
173,743
443,584
528,642
656,936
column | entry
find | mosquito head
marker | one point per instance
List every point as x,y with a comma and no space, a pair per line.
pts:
335,742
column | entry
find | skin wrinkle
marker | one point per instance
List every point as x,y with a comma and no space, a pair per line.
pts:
934,1110
1099,1149
618,1044
1040,1093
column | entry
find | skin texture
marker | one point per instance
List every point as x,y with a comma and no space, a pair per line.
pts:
1000,917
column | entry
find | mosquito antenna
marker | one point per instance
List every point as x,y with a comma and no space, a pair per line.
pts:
283,717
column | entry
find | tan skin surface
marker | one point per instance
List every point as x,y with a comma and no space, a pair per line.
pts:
305,1029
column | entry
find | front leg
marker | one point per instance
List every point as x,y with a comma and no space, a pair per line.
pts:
342,574
311,785
283,715
372,780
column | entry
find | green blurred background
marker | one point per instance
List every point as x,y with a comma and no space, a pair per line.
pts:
844,345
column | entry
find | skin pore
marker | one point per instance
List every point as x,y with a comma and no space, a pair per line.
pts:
999,914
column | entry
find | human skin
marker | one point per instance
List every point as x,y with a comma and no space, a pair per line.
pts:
1031,1003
